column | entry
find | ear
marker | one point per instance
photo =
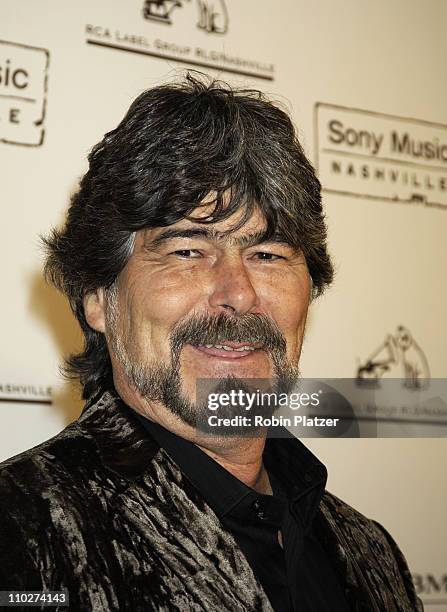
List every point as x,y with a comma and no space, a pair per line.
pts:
94,309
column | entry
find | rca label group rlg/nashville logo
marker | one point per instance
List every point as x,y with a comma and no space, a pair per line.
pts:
186,40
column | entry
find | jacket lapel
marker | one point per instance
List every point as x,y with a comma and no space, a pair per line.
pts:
363,559
356,591
158,514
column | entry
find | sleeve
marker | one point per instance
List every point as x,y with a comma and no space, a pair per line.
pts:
404,569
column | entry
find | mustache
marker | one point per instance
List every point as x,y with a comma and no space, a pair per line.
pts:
218,329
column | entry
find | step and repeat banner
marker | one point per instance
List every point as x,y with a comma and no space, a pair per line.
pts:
365,84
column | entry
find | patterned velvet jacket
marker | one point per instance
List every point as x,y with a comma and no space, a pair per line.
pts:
103,511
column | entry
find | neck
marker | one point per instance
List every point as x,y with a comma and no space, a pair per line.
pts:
244,461
242,457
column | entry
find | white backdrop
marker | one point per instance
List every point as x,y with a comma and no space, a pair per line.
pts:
365,83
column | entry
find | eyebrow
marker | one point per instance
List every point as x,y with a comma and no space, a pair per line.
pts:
245,241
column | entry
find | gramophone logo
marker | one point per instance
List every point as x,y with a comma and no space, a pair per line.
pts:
160,10
212,14
398,356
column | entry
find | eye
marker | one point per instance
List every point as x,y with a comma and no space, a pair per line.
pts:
186,253
264,256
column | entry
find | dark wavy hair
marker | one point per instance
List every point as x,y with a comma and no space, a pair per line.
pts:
177,144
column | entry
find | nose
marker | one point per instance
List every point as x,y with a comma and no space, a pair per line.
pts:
232,289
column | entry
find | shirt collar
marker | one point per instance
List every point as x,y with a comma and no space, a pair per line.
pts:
296,475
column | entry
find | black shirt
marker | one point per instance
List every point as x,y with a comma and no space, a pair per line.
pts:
297,576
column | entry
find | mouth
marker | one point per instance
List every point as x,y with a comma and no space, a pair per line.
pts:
229,350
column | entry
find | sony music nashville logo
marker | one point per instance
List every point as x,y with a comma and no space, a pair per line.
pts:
212,15
23,91
378,156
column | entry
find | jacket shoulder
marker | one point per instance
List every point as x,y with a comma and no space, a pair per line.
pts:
56,500
50,461
34,464
94,447
35,488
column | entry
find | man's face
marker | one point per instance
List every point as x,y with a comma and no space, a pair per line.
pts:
186,287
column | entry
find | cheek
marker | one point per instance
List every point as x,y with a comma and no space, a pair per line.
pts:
175,295
158,301
288,303
290,315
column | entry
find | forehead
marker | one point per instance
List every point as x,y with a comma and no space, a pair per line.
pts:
256,224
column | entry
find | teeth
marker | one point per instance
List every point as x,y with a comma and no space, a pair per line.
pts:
228,348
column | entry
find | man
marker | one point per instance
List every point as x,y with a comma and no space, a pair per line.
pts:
191,251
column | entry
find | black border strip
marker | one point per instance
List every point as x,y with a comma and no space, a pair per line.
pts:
367,196
27,400
370,158
21,98
394,420
383,115
179,60
355,418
